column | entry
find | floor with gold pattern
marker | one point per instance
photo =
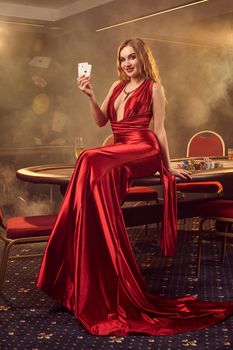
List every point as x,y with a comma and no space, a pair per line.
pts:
31,320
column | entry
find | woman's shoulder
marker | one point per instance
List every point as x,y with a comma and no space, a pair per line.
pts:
157,86
157,89
158,94
116,83
113,86
154,85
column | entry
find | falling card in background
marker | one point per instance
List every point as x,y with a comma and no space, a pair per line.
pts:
40,61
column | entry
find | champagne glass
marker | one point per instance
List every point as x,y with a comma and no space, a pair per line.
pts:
230,153
78,145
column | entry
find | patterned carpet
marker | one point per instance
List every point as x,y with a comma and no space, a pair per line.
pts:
31,320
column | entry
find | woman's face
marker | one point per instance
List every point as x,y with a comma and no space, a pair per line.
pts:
129,62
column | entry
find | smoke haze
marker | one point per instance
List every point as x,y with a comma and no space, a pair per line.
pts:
195,61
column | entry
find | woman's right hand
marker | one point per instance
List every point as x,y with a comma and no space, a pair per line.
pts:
84,84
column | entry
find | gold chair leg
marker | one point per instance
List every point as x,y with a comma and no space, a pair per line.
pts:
4,262
224,248
198,265
224,244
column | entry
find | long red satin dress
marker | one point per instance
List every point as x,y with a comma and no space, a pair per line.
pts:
88,265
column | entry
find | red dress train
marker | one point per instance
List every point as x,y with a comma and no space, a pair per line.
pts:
88,265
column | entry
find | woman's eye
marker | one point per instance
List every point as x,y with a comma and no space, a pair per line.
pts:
133,57
122,60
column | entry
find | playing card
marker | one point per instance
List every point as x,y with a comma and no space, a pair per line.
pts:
84,69
88,70
40,61
81,68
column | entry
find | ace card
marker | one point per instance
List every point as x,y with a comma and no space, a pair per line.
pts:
84,69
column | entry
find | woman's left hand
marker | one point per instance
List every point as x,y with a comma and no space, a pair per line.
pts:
181,173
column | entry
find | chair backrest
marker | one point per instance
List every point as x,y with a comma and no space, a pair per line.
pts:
109,141
206,143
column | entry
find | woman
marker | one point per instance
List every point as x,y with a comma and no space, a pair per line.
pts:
89,266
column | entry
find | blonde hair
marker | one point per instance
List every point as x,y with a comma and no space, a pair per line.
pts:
142,50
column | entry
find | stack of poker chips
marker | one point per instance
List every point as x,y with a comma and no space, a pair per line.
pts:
196,164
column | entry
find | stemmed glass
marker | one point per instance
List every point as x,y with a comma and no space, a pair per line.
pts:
230,153
78,145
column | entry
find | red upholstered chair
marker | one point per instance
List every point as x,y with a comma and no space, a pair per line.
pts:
137,193
205,187
201,187
108,141
221,213
206,143
23,230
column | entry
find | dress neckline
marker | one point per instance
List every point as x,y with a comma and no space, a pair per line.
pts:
132,91
124,84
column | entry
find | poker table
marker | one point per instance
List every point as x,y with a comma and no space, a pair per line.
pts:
60,174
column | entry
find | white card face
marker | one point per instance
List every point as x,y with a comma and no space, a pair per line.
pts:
81,68
84,69
88,70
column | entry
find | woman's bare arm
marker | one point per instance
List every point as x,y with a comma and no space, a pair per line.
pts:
99,113
159,129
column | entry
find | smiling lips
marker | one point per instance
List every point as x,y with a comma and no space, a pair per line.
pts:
129,70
